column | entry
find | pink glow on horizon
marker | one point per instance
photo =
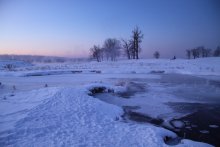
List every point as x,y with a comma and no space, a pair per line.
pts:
73,53
49,48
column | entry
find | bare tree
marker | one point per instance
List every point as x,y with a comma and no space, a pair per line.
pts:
127,48
202,51
96,52
157,55
217,52
112,48
196,52
208,52
188,53
137,37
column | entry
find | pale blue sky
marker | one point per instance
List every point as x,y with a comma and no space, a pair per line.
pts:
71,27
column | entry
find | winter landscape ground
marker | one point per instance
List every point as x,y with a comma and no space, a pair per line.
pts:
148,102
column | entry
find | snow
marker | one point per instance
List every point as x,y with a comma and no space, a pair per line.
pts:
201,66
69,117
14,108
14,63
183,66
64,113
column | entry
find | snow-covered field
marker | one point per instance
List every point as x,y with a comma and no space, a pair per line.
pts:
52,105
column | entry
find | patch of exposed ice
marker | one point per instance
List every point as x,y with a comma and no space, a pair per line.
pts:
213,126
178,124
204,131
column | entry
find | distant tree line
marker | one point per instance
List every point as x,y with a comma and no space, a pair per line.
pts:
113,48
41,59
203,52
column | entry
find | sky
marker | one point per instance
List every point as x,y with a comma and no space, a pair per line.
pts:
70,28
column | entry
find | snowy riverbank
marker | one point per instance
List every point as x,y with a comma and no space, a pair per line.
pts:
51,104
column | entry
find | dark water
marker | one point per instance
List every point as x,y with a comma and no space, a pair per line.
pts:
201,125
203,120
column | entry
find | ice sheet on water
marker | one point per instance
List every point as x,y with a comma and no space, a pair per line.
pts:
213,126
204,131
178,124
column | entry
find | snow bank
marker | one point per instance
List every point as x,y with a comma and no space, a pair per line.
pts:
201,66
70,117
15,106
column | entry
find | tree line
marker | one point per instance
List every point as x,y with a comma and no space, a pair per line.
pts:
197,52
113,48
201,51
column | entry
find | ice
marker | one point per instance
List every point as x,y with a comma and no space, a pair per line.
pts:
204,131
178,124
213,126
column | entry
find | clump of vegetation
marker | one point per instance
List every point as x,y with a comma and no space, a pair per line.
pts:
9,67
157,55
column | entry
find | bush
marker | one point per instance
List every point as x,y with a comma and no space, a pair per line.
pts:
9,67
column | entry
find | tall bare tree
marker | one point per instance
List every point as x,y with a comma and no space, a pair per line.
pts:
137,37
127,46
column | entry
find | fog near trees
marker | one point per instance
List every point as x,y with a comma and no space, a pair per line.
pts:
111,49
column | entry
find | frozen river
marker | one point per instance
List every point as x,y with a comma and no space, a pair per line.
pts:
187,105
